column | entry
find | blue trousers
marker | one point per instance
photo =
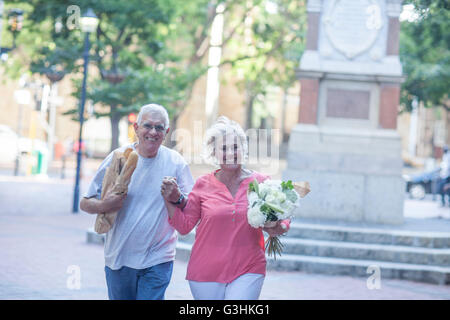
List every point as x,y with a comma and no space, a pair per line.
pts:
144,284
442,183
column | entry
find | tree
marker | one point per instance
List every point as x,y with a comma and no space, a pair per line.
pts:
133,52
274,34
154,50
425,55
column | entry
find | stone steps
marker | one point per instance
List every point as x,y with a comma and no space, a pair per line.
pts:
349,250
370,235
405,238
366,251
350,267
355,267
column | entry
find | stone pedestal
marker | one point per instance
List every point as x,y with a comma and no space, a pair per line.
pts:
354,174
346,144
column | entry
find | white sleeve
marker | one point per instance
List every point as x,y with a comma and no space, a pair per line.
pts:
95,188
184,178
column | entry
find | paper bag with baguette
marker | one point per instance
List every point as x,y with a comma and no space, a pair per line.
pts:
302,188
117,177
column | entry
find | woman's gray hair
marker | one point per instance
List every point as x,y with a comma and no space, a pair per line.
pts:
219,129
154,108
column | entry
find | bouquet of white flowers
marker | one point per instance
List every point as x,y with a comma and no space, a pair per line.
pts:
270,201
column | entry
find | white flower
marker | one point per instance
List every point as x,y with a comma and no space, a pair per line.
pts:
282,203
255,217
273,184
263,190
278,200
252,198
275,197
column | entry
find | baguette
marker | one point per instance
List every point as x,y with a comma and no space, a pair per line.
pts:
112,172
117,177
122,181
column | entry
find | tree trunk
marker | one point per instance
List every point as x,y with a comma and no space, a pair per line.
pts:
168,142
115,118
250,98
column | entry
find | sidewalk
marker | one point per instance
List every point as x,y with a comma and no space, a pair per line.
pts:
40,239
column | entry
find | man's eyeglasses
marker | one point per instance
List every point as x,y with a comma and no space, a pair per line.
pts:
158,127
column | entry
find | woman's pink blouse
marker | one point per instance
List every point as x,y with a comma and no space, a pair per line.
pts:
225,246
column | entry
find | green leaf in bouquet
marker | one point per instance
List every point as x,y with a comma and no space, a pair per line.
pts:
266,209
274,207
287,185
254,186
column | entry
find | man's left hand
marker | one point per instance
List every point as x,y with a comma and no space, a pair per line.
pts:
170,190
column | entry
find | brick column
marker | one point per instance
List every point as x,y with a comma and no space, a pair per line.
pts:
309,95
389,100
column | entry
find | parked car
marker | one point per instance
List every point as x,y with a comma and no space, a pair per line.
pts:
420,184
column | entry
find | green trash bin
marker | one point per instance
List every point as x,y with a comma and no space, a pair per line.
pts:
40,163
35,156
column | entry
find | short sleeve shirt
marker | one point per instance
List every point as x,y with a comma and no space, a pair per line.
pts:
141,236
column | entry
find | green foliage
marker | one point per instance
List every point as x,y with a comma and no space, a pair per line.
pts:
425,55
254,187
269,210
287,185
274,40
138,40
288,189
159,46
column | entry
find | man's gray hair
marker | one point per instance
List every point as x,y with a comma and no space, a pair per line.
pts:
154,108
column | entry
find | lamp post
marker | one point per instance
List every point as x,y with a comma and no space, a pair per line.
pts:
88,22
23,97
54,76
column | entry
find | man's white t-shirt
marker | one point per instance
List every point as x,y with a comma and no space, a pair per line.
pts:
141,236
445,165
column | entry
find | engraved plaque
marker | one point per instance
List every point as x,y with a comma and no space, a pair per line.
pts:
353,104
352,26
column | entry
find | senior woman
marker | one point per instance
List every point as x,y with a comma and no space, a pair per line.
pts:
227,259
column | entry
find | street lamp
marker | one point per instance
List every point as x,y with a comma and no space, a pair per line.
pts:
88,22
15,21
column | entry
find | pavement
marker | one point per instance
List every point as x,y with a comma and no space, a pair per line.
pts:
44,253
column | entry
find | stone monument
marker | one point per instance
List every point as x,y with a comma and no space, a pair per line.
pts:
345,143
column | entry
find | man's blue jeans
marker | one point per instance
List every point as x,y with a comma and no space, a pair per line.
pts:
133,284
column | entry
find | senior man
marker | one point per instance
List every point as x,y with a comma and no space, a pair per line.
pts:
140,247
